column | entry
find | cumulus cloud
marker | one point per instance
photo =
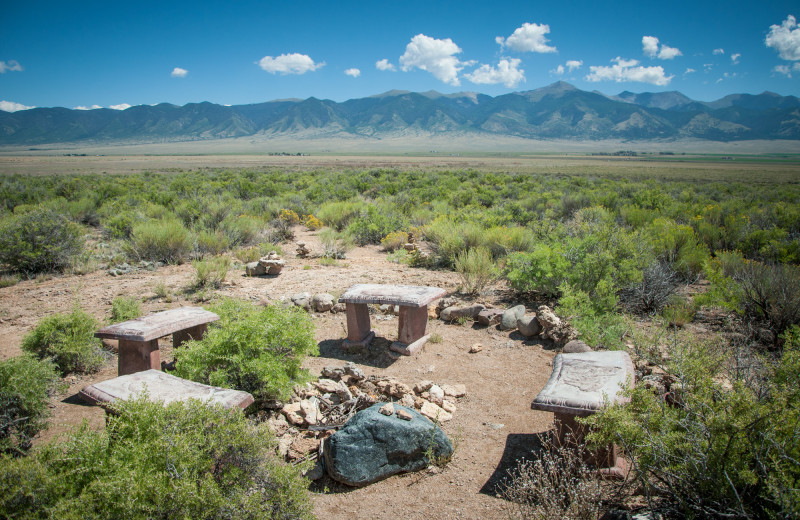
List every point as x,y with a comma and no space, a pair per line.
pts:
735,58
384,65
528,38
434,56
650,48
12,65
81,107
558,71
787,70
121,106
10,106
689,70
628,70
574,64
178,72
507,72
785,39
718,51
353,72
289,64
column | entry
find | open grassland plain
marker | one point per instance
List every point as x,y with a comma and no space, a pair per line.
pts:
688,263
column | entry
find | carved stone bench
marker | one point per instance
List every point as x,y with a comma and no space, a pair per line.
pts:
413,301
580,385
163,387
138,338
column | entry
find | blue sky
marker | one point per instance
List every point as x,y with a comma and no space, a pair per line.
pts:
120,53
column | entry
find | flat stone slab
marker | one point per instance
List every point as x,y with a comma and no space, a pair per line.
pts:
163,387
582,383
157,325
404,295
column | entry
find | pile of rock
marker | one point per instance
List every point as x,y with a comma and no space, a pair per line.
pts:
318,408
302,250
411,245
268,265
319,302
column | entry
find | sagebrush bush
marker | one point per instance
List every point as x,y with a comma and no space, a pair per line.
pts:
394,241
211,272
183,460
251,348
38,241
338,214
477,269
312,223
243,230
124,308
335,245
653,292
25,387
68,340
165,241
211,243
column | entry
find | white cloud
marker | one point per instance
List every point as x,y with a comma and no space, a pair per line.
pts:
507,72
787,70
289,64
558,71
689,70
434,56
785,39
178,72
528,38
735,58
81,107
10,106
353,72
718,51
574,64
650,46
121,106
12,65
384,65
627,70
650,49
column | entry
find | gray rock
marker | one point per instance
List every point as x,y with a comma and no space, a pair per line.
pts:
576,346
322,302
302,299
255,269
372,446
455,313
339,307
529,326
509,319
489,316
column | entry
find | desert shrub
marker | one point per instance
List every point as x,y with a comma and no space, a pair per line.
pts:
38,241
281,231
542,270
502,240
399,256
477,269
242,230
289,216
653,292
251,348
124,309
248,254
312,223
211,272
595,318
557,484
338,214
677,312
25,386
394,241
212,243
182,460
718,451
68,340
374,224
165,241
678,246
7,280
335,245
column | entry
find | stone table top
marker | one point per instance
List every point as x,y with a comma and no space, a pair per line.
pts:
157,325
404,295
163,387
582,383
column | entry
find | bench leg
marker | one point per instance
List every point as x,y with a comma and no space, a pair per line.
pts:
357,321
607,458
413,323
136,356
196,332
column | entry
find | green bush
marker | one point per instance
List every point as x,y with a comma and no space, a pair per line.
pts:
542,270
165,241
67,339
716,451
211,243
124,309
38,241
477,269
251,348
242,230
595,319
25,386
374,224
335,245
210,273
183,460
338,214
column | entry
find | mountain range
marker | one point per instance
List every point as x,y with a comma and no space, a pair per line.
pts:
558,111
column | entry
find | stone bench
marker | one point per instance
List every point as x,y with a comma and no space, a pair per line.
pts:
138,338
413,301
580,385
162,387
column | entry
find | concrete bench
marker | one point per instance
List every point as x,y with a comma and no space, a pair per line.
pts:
138,338
413,301
580,385
163,387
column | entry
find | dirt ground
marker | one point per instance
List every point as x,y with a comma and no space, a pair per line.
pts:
492,427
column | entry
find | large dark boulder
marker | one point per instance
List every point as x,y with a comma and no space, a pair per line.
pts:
372,446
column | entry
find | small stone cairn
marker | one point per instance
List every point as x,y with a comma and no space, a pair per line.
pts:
302,250
411,246
268,265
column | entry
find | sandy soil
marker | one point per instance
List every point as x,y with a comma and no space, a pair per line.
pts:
493,426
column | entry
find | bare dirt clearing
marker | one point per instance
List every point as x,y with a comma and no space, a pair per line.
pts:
492,426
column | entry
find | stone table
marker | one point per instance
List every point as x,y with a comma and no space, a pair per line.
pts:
413,301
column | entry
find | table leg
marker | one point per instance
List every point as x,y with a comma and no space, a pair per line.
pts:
413,323
136,356
196,332
357,321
